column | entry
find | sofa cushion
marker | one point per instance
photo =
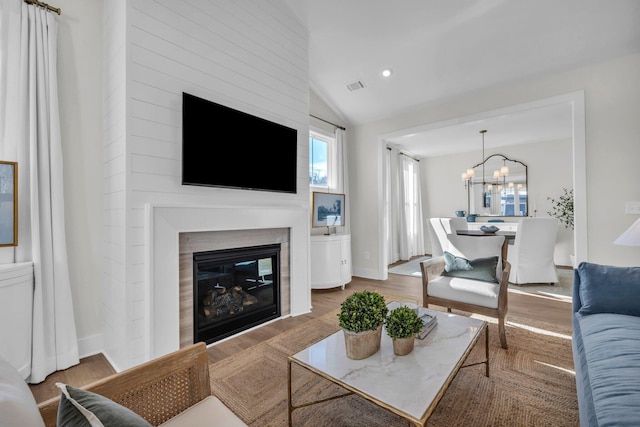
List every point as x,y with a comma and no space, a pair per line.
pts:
586,408
208,412
608,289
609,366
469,291
17,405
79,408
478,269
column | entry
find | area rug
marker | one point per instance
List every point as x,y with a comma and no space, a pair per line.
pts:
530,384
409,268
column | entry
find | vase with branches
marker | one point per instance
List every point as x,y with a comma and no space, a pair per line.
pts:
562,208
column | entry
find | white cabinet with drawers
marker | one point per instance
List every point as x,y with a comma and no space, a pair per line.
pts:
330,261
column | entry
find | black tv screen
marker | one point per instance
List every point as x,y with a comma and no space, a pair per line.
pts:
224,147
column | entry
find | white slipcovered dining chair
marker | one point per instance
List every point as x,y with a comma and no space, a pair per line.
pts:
439,229
481,289
531,255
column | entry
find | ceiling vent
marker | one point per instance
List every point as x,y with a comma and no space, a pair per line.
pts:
355,86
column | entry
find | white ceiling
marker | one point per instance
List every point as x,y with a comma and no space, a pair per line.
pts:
528,125
441,50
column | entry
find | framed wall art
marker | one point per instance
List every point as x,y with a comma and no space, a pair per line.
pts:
328,209
8,203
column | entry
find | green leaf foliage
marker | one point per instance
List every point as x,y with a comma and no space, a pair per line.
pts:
362,311
403,322
562,208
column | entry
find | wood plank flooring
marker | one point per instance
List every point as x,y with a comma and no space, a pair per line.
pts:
520,305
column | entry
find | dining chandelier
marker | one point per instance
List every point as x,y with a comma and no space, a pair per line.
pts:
499,175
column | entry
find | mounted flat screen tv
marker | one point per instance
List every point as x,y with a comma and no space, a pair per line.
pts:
224,147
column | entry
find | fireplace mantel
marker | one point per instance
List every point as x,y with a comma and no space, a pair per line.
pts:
163,225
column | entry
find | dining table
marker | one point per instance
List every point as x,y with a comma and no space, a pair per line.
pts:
510,235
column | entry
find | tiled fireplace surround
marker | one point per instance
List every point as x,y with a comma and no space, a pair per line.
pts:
202,241
174,233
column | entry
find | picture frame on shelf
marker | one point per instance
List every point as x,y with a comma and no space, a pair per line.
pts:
8,203
328,209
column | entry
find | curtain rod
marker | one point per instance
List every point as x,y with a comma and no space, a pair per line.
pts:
46,6
411,157
404,154
326,121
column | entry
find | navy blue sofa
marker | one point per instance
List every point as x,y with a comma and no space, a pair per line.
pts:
606,344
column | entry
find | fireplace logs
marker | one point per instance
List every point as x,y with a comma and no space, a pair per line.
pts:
221,301
234,290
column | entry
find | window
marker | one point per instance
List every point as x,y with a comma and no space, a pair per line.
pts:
321,160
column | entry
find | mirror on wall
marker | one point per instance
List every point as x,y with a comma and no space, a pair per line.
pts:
498,187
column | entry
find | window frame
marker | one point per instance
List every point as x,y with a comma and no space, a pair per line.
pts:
332,159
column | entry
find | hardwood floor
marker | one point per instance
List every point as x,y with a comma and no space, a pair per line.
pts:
520,305
90,369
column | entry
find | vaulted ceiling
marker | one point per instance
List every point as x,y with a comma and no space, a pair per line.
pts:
440,50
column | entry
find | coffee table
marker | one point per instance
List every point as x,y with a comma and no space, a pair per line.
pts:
410,386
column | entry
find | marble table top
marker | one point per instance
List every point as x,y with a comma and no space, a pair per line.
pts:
410,384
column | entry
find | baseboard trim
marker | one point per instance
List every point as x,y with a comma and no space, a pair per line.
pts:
88,346
367,273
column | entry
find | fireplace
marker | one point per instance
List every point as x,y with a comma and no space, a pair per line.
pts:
177,232
234,290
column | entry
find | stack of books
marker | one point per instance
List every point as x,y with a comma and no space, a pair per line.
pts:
430,322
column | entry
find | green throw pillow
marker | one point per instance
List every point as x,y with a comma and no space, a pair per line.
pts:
455,263
483,269
79,408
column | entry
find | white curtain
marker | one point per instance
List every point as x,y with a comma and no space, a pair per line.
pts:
30,132
343,176
411,239
391,206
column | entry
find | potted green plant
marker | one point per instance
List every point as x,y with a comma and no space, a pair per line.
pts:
562,208
361,318
402,325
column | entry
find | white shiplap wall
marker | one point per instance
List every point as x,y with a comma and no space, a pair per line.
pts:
114,237
249,55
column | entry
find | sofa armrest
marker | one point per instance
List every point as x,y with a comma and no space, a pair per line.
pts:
576,303
432,268
156,390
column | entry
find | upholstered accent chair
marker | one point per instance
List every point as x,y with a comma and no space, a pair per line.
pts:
477,280
531,255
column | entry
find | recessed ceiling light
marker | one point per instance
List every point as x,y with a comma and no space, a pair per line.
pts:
387,72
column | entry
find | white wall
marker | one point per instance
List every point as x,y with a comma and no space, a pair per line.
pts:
612,93
319,108
249,56
115,253
549,171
